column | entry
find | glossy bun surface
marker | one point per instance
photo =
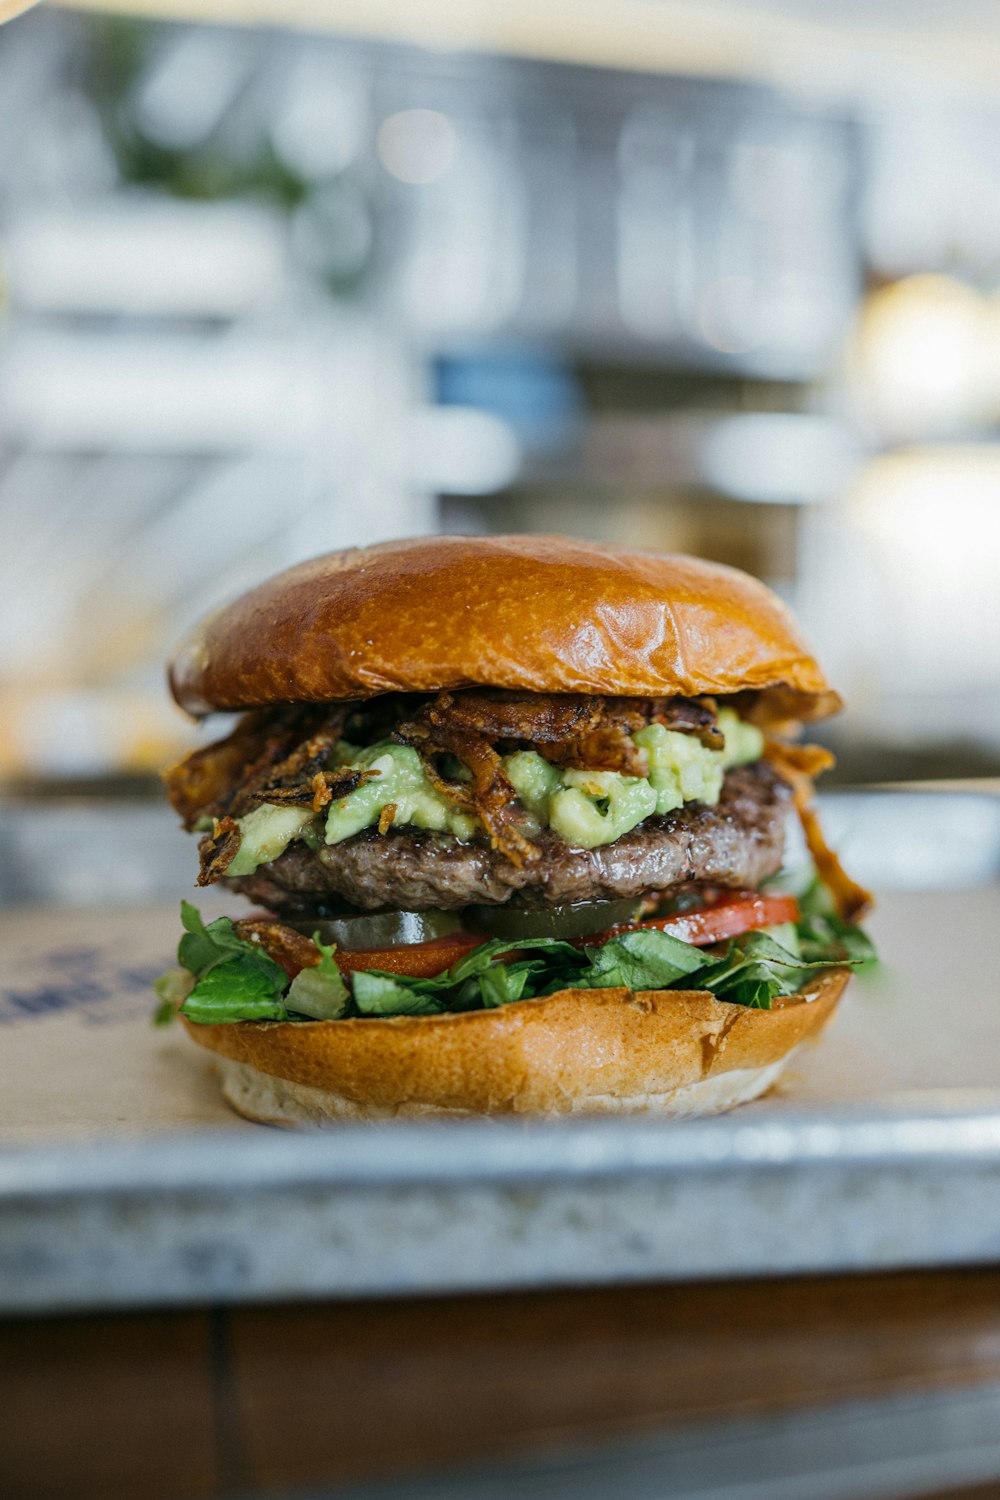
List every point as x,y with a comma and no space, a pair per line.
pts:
539,614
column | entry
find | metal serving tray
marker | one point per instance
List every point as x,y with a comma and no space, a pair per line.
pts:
124,1181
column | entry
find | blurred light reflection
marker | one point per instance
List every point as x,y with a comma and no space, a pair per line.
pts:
928,358
417,145
932,518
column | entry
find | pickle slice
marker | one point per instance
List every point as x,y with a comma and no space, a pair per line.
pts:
381,929
575,921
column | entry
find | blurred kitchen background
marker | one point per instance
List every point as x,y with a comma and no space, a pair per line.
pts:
721,278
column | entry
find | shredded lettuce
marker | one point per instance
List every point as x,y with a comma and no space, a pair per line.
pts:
320,993
229,973
223,978
171,989
823,933
641,960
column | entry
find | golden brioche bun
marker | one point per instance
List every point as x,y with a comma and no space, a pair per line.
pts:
674,1052
539,614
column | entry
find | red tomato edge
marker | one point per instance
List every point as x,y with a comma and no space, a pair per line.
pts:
712,924
707,924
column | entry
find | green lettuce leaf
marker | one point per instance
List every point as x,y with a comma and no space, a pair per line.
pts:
378,994
320,993
503,983
479,959
233,980
477,981
645,959
224,978
235,991
171,989
824,934
833,940
203,948
755,970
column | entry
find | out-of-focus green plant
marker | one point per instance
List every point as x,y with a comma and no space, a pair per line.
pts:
226,163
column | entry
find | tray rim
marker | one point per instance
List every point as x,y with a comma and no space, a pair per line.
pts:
921,1132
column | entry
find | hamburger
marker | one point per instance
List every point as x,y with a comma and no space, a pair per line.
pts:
509,811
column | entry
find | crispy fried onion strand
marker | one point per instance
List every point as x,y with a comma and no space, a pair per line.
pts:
217,850
798,760
302,771
489,794
798,764
571,730
267,748
609,747
280,757
267,758
316,791
566,719
289,948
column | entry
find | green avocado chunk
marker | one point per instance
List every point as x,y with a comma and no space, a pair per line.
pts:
266,832
744,742
401,782
597,807
585,808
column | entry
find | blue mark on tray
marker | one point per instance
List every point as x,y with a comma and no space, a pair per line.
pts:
85,982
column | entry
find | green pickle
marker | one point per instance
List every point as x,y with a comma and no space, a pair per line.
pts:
578,920
381,929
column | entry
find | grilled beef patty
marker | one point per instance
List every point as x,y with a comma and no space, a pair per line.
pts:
737,843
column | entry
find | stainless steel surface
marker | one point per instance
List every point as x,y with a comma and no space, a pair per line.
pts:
48,852
411,1209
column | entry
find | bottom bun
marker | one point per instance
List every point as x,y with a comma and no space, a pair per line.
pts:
275,1101
669,1052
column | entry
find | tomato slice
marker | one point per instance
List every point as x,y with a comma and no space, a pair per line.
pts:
746,912
416,960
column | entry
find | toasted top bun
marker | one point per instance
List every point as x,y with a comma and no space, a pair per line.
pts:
578,1050
539,614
